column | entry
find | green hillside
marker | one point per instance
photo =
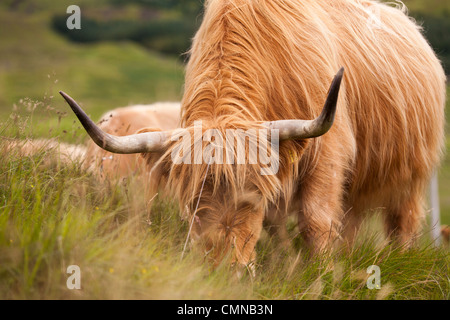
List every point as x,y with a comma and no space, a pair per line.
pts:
36,63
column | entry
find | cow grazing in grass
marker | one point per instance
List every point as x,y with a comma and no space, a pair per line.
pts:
268,64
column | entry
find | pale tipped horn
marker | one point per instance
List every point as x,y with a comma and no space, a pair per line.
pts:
136,143
305,129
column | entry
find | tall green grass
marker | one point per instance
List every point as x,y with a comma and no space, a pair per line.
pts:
55,214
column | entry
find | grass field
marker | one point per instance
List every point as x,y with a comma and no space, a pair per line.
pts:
54,215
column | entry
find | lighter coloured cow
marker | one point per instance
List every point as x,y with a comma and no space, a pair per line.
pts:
55,151
125,121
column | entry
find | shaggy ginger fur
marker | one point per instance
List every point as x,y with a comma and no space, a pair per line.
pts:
260,60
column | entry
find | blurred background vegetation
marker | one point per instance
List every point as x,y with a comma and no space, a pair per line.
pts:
127,52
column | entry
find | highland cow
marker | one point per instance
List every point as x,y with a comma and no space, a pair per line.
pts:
267,64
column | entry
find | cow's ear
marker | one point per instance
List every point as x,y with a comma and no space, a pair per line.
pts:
158,169
148,156
152,158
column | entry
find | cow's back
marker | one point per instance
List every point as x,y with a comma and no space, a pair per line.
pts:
390,118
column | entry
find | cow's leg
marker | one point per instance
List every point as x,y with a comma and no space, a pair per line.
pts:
403,218
351,223
275,223
321,213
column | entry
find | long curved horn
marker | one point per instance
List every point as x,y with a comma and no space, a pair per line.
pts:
136,143
304,129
